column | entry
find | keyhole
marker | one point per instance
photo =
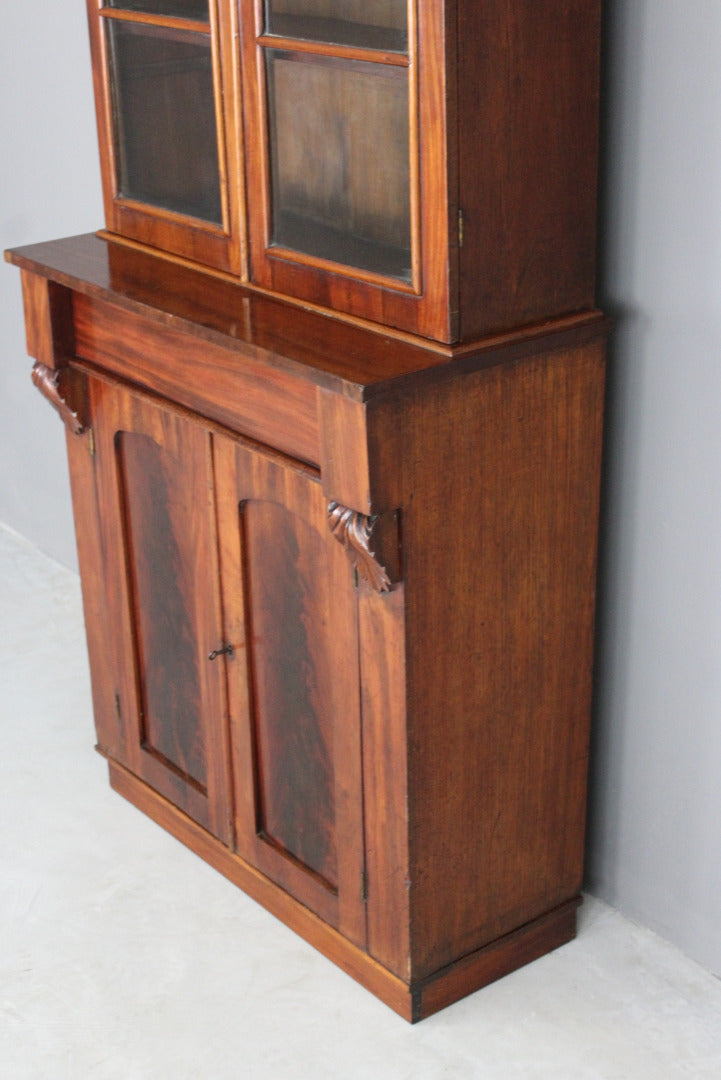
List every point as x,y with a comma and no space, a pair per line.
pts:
224,650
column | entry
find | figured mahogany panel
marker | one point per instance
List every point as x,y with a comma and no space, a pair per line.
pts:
287,603
157,506
290,611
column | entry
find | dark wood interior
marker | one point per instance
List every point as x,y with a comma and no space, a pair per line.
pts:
181,9
332,198
381,24
162,80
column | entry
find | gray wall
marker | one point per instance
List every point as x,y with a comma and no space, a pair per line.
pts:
49,186
655,828
654,846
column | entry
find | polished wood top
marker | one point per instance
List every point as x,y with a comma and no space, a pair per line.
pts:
355,358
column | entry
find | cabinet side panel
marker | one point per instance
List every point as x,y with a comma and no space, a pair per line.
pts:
48,320
499,554
528,113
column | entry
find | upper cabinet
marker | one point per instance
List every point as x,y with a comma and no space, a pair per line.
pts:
427,165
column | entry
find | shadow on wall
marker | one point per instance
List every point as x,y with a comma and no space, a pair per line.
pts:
620,122
655,799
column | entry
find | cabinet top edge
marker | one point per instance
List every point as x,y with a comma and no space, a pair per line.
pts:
355,359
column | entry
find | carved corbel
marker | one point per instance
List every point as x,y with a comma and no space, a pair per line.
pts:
354,531
48,382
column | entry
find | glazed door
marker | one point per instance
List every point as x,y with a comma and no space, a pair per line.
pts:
290,611
153,470
165,74
344,104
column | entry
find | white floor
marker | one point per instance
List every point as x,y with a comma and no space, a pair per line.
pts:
124,957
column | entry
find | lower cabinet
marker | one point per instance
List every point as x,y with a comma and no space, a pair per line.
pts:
339,600
235,684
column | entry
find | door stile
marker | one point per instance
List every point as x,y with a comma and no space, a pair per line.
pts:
352,879
209,619
241,751
126,691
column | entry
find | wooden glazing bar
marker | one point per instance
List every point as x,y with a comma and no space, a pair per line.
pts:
341,52
170,22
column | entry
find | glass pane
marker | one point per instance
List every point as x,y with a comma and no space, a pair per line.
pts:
164,110
340,167
181,9
370,24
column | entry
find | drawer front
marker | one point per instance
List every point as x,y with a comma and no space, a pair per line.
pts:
241,390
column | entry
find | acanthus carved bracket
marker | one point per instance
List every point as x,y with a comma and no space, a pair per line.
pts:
354,531
47,381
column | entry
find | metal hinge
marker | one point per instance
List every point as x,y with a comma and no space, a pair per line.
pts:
364,886
460,228
91,442
118,713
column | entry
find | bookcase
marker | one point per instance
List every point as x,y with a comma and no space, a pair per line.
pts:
332,378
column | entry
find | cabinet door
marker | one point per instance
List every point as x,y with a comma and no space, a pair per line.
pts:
154,475
291,616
